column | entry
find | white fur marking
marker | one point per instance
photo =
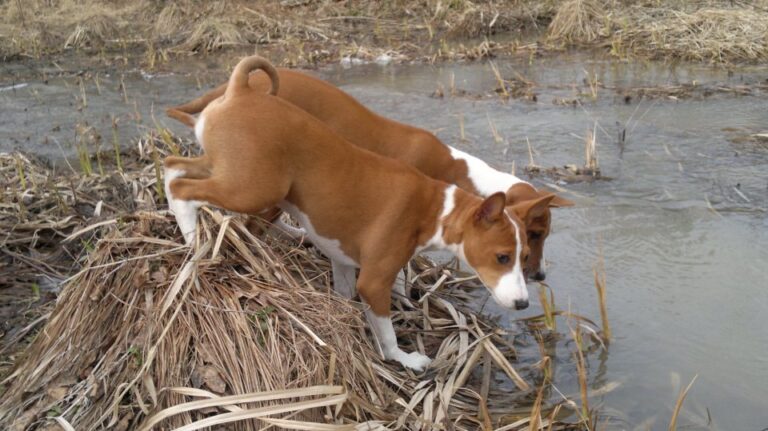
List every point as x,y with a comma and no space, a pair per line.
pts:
344,279
437,241
399,287
385,334
511,286
281,228
486,180
330,247
199,125
185,211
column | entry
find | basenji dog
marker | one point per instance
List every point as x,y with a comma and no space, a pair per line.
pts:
417,147
362,210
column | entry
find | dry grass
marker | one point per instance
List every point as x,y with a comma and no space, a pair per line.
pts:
304,31
711,34
711,31
311,32
572,173
591,164
145,328
679,404
578,21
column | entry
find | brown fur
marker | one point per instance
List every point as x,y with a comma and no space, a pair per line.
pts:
362,127
261,150
525,200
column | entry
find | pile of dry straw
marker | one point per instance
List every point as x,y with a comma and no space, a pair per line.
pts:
241,330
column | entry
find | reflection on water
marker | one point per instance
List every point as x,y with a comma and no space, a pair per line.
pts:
682,225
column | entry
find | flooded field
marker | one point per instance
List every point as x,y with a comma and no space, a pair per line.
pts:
681,223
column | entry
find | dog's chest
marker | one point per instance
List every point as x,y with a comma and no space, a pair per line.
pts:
330,247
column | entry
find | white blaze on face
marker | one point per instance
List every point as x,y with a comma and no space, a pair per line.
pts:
511,286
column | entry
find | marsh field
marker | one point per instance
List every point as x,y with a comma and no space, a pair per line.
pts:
652,116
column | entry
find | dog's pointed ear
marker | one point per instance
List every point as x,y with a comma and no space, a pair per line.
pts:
491,209
559,202
521,192
534,208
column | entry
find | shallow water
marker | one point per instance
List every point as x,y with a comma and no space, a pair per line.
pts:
681,225
686,284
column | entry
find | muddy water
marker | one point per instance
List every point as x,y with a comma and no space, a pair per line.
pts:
682,224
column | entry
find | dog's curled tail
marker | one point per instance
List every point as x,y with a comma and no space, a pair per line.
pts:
238,82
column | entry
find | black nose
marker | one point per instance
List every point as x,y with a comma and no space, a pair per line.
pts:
521,304
539,276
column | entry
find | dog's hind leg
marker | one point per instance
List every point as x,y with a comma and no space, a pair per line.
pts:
188,194
185,211
344,279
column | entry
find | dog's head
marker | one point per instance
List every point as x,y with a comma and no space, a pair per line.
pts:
534,210
492,240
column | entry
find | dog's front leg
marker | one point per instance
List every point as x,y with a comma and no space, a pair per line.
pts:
375,290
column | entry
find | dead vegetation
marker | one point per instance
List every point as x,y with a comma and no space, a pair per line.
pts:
311,32
692,90
241,330
579,21
748,141
710,31
302,32
572,173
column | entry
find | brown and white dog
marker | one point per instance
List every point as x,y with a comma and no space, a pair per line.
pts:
414,146
359,208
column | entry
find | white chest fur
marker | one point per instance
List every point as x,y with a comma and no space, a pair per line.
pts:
437,242
330,247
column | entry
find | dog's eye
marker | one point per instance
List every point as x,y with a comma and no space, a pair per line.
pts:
534,235
502,258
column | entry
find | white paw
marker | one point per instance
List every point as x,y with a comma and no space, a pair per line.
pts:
414,360
189,237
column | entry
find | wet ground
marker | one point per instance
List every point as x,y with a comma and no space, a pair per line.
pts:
681,225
